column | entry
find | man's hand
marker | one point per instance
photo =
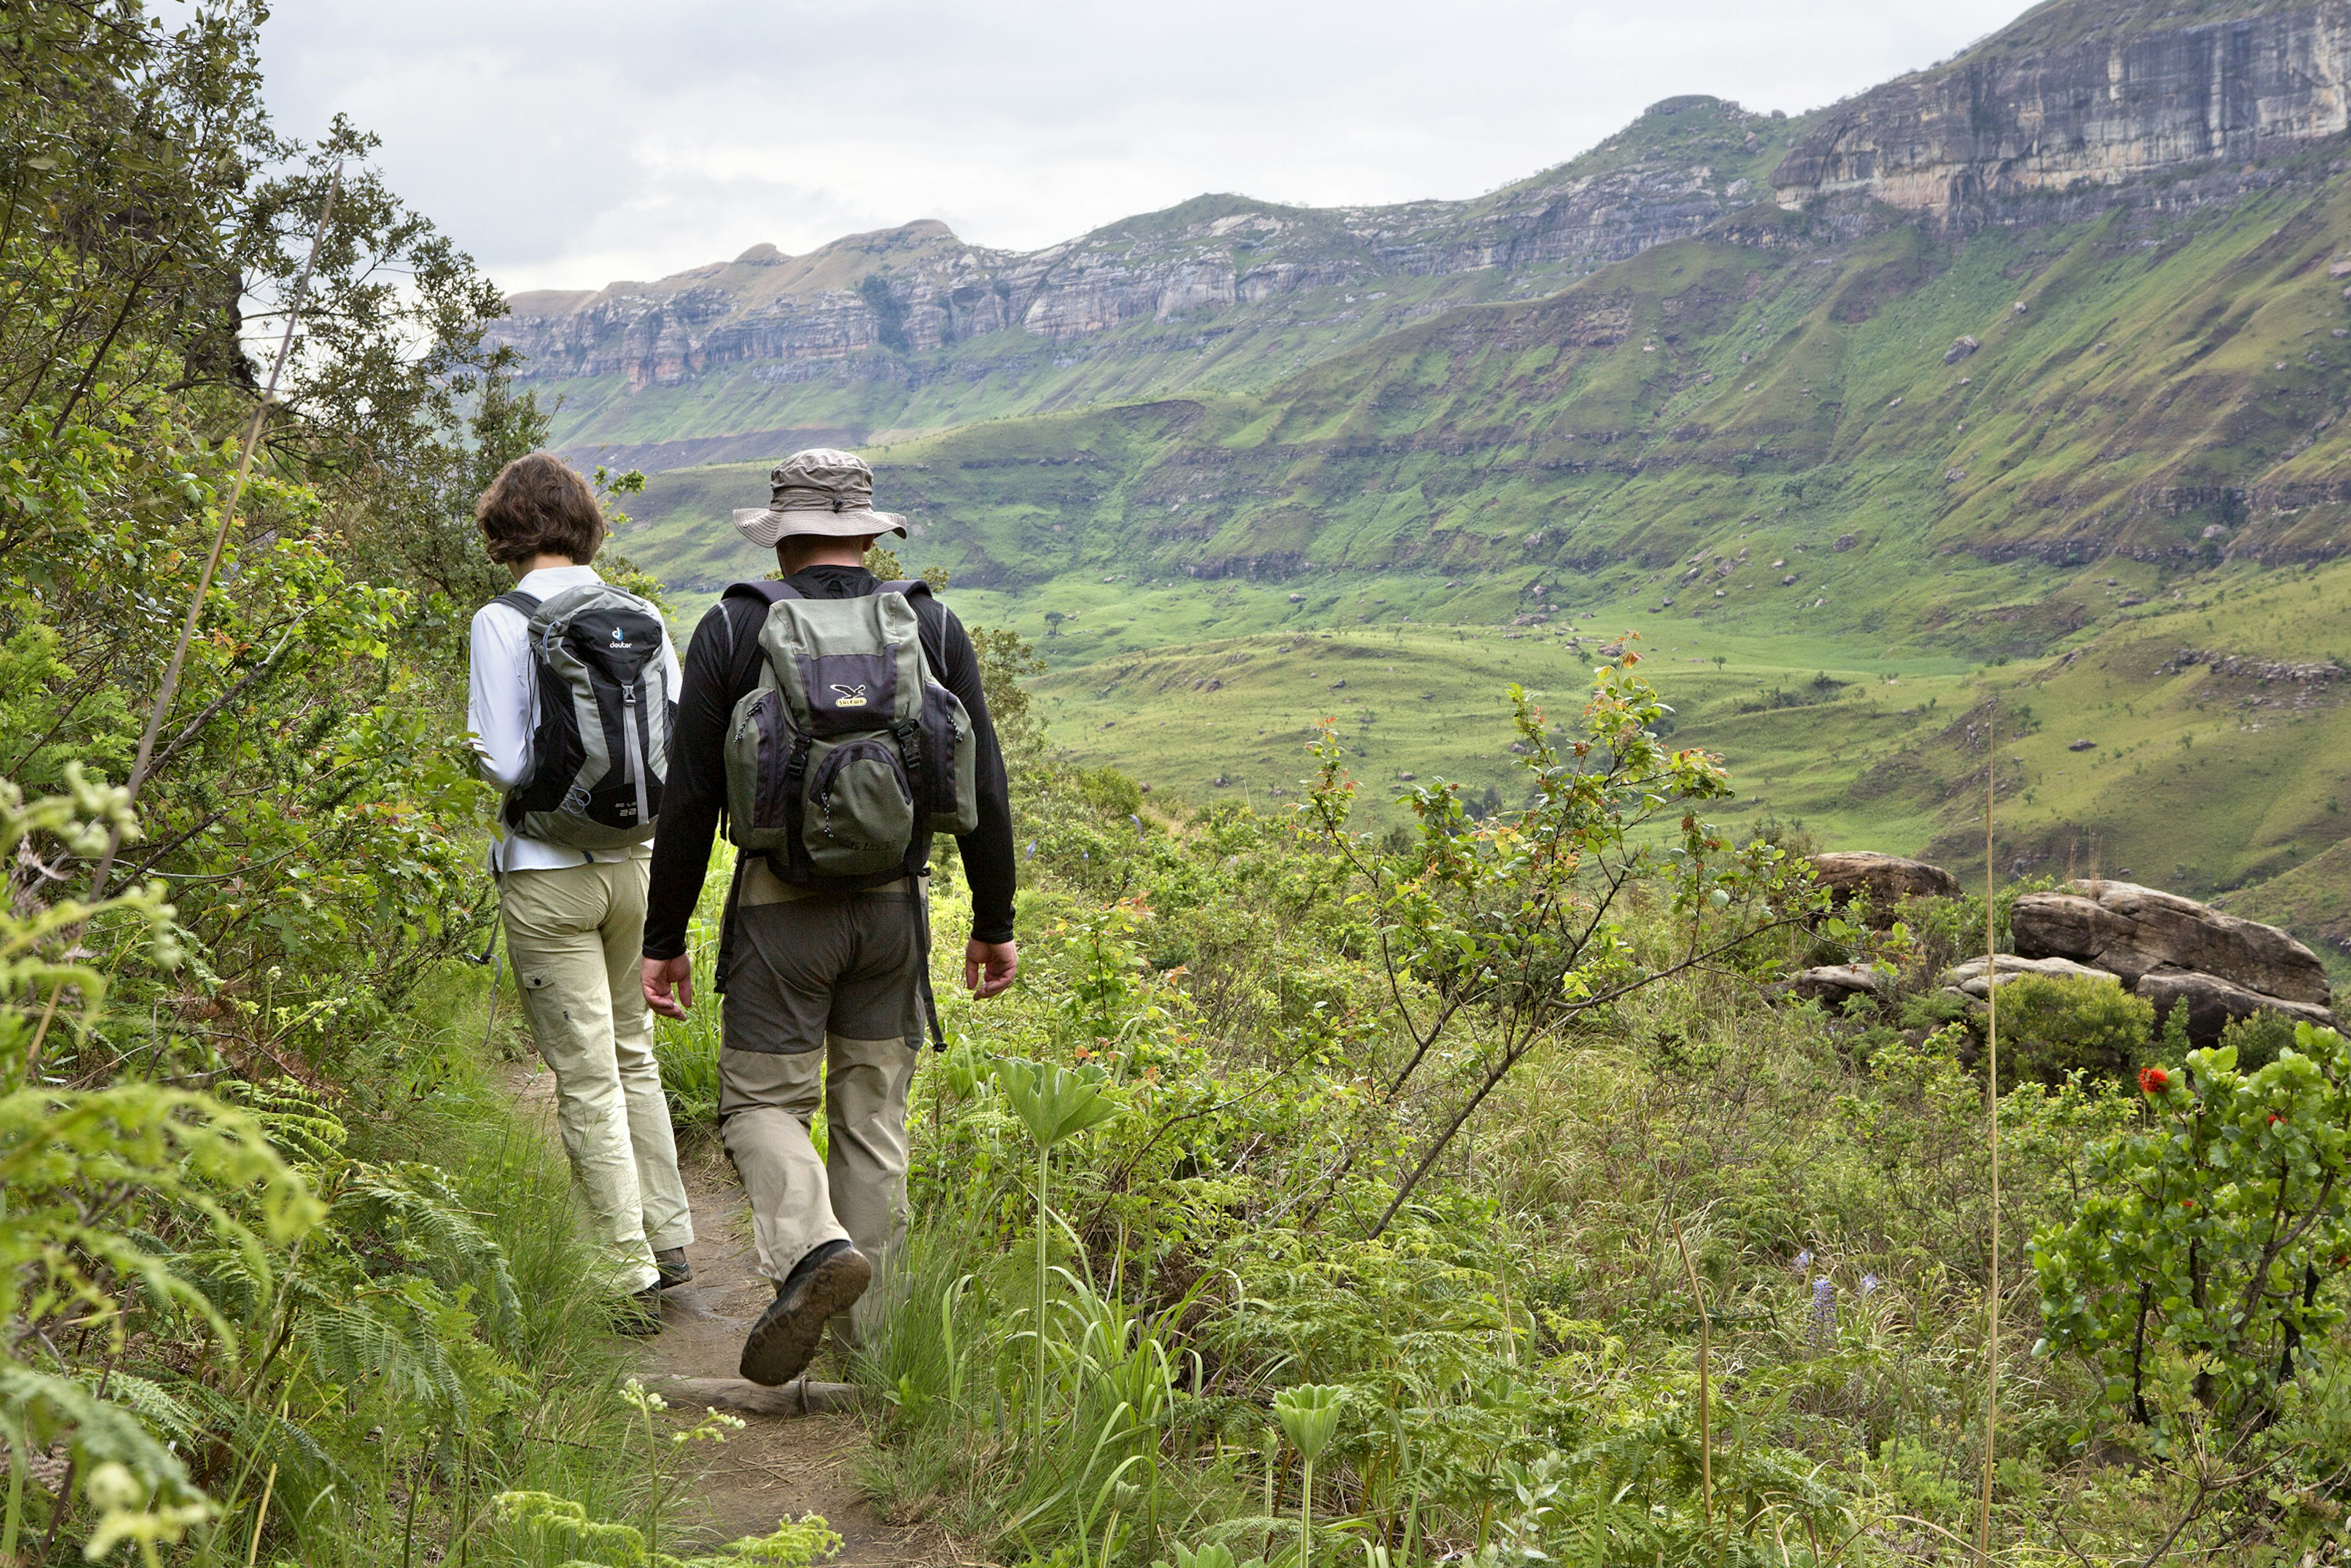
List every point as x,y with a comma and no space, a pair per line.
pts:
660,974
987,966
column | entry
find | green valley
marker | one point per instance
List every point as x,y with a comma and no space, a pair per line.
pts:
1774,446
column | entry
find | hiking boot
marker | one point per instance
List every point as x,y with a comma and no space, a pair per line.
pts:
638,1313
827,1281
670,1269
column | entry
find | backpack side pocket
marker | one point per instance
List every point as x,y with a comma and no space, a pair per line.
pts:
763,745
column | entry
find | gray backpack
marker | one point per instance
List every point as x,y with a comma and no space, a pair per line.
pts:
600,749
847,750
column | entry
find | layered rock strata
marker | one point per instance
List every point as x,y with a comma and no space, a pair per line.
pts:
2075,97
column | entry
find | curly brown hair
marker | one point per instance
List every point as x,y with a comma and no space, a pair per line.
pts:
539,505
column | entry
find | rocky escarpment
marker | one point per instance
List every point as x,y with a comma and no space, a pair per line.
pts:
2079,98
893,292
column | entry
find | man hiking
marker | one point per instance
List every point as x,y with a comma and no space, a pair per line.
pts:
837,723
573,683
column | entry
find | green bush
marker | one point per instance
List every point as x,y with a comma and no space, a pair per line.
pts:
2052,1027
2258,1037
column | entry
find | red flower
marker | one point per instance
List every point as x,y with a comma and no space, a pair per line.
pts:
2274,1118
2153,1080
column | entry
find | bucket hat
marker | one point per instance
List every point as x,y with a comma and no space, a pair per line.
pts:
819,491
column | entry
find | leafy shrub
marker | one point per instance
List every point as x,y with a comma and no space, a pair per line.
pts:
2257,1039
2213,1253
2053,1026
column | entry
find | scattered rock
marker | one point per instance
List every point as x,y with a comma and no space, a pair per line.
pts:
1969,978
2214,1003
2018,308
1846,542
2135,931
1789,580
1961,346
2081,746
1298,598
1887,879
1834,982
1339,685
2339,269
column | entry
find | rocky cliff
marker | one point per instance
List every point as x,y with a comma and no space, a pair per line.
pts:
2074,99
917,289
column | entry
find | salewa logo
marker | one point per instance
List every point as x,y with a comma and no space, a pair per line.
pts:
849,697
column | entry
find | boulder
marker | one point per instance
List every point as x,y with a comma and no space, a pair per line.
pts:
1969,978
2135,931
1834,984
1887,879
2214,1003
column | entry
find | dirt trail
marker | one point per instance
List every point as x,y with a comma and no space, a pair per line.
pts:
777,1467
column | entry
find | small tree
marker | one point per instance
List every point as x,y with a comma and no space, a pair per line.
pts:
1503,935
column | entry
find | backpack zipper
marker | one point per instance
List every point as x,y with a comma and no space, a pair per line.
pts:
630,713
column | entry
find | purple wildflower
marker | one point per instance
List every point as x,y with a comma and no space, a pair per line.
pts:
1869,1283
1823,1327
1803,1259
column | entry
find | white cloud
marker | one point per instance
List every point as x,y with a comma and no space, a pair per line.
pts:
565,145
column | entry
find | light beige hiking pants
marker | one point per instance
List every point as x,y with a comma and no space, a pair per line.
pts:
858,1191
575,935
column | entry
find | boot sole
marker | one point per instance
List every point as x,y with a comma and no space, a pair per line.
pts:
785,1336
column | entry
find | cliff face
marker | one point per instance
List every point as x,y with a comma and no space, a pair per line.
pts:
2074,96
919,288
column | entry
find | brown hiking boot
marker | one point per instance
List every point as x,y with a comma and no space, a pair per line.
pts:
670,1269
827,1281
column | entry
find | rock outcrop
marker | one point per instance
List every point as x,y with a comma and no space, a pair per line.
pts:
1834,982
1886,880
1970,976
2214,1003
2158,945
2135,931
2081,96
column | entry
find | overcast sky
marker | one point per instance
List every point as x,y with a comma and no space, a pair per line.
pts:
568,145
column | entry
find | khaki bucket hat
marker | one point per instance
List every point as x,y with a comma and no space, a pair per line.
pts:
819,491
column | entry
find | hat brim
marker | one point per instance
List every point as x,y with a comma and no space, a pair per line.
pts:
767,528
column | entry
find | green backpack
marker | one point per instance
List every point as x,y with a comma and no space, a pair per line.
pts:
848,748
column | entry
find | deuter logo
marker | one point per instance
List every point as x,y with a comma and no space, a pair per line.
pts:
620,638
849,697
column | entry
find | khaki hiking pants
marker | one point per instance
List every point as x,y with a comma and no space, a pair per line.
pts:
575,935
821,1009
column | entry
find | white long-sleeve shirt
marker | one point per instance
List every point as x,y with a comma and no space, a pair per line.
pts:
501,713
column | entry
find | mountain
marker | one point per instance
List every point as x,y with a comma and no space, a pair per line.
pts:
2006,399
911,327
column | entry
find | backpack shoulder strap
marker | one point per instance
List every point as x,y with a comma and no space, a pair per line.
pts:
528,604
907,588
767,590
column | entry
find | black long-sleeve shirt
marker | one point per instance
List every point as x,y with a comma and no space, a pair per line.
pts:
721,664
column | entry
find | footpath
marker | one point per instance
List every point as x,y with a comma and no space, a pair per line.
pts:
784,1463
